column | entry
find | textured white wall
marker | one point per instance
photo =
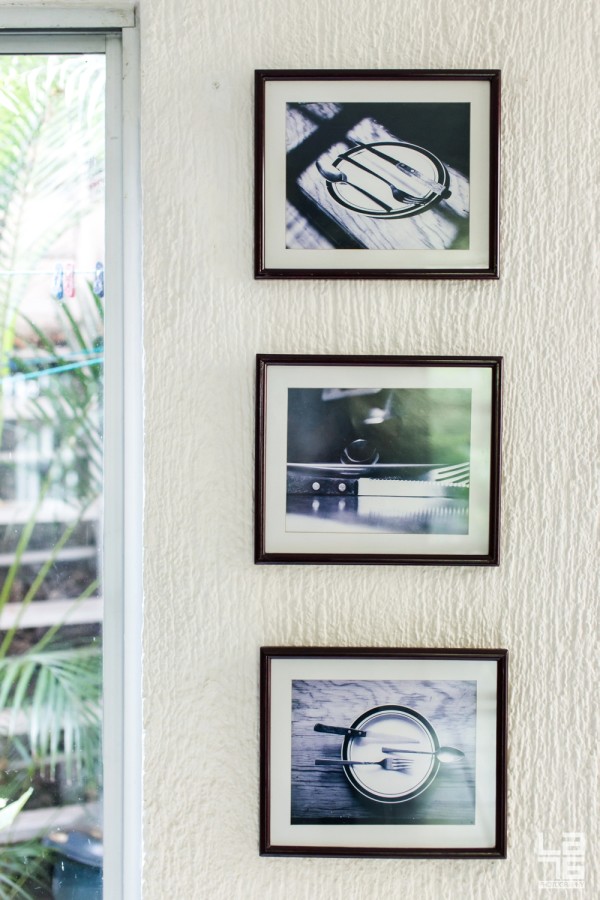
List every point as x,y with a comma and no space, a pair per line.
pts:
208,608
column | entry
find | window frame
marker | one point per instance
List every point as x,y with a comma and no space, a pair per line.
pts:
114,32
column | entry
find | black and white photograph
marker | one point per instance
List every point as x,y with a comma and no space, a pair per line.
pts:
381,176
367,459
379,460
404,752
401,750
367,174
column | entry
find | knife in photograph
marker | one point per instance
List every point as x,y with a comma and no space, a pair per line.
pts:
337,729
379,480
356,732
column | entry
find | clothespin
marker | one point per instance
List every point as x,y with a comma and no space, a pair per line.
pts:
58,291
98,286
70,280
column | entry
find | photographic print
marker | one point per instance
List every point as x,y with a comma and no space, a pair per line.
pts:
377,459
409,756
373,187
386,752
377,174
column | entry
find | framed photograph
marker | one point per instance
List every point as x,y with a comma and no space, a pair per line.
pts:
378,459
377,174
377,752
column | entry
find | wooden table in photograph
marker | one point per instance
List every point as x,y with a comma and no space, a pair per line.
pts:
324,795
347,143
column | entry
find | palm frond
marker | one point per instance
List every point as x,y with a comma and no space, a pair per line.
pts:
9,813
51,126
58,693
52,693
71,401
22,545
24,870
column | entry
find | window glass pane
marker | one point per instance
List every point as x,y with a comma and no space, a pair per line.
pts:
51,374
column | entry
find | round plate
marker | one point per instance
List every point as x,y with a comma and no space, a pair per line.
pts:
370,172
391,726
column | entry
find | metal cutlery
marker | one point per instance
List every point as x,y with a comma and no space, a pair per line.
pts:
433,186
339,729
444,754
397,193
393,765
341,177
356,732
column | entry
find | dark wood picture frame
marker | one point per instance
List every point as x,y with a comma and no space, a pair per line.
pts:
426,132
304,513
290,741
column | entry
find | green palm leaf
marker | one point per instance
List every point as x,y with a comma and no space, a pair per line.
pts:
58,694
23,870
40,157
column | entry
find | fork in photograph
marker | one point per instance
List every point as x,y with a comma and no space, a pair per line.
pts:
390,763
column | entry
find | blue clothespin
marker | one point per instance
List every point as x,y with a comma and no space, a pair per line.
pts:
58,289
98,286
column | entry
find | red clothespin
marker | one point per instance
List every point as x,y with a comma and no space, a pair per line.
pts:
70,280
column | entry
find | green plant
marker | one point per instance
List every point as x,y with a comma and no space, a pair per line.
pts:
51,154
57,688
23,868
51,133
53,687
24,871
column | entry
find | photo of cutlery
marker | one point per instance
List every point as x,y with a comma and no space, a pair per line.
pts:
444,754
358,733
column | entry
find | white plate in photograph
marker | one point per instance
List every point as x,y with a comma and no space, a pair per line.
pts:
392,726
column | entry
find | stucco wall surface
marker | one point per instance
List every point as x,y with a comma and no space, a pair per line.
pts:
207,607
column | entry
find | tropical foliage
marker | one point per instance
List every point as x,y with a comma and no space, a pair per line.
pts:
51,152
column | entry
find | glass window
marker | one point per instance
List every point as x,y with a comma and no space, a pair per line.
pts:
52,299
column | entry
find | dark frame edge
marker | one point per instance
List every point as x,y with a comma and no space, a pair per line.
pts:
330,559
264,557
497,363
490,272
262,362
500,655
380,853
494,218
502,755
265,740
259,127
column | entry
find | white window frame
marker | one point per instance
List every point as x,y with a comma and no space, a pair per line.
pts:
113,30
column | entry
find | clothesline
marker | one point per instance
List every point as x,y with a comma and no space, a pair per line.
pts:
63,278
54,370
8,273
44,359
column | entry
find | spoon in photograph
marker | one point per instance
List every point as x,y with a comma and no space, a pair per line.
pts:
342,178
444,754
